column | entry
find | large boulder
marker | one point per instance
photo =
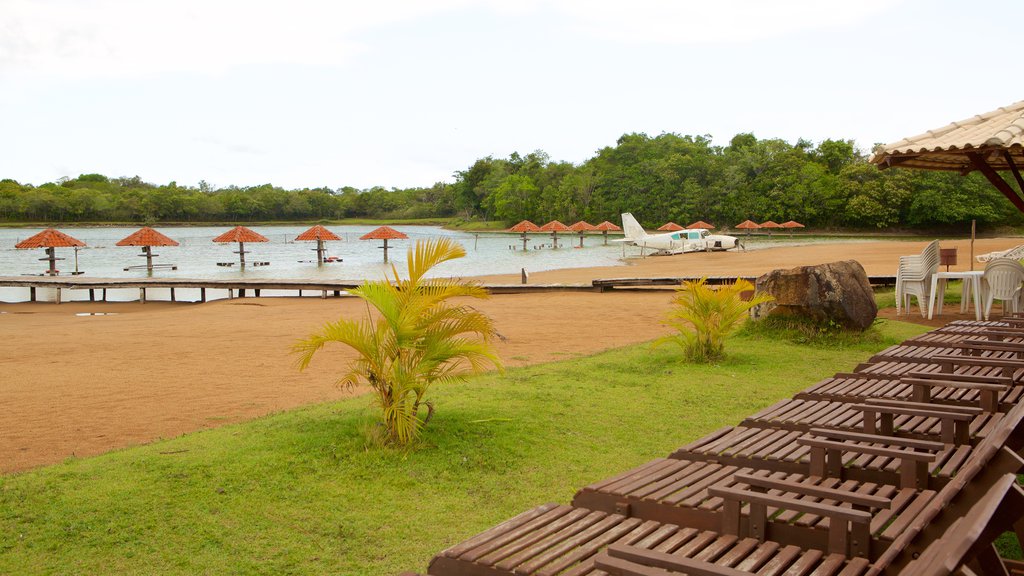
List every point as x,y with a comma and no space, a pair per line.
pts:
838,291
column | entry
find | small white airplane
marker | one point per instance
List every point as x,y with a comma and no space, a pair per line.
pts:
697,240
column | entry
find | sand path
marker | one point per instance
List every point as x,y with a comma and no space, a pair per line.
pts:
83,385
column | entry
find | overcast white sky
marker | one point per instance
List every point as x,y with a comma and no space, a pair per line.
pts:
405,92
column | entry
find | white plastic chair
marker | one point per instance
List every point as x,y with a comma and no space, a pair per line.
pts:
914,278
1002,281
1015,253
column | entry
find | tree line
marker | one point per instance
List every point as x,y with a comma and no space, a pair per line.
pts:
657,178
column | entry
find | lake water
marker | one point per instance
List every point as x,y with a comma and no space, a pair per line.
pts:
197,256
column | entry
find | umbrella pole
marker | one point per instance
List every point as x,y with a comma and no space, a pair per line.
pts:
149,257
554,240
319,252
385,250
581,239
605,234
524,241
52,257
241,254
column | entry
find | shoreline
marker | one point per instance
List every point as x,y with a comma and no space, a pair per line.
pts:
128,373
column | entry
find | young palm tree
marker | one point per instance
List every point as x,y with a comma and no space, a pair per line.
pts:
416,338
704,317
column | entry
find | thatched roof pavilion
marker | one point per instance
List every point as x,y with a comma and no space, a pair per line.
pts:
240,234
50,239
554,227
320,234
606,227
147,238
384,233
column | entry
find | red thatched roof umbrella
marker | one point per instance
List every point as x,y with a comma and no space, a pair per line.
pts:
523,228
581,227
748,225
770,225
671,227
384,233
606,227
554,227
791,225
50,239
700,225
146,238
321,235
240,234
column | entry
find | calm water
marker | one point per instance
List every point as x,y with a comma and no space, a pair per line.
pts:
197,256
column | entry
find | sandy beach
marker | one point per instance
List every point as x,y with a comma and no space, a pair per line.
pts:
78,385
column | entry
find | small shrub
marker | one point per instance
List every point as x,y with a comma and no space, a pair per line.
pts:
704,317
416,338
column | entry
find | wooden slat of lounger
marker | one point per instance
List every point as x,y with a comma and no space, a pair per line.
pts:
643,475
646,535
528,548
614,483
526,536
540,512
690,473
767,559
569,550
701,443
907,514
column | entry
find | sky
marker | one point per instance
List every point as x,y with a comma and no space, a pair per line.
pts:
402,93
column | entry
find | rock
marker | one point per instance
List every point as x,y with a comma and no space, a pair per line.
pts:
838,291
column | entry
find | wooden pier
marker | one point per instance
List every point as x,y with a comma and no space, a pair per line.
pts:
239,287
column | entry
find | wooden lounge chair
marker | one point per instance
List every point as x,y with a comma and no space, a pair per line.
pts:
968,541
987,392
892,417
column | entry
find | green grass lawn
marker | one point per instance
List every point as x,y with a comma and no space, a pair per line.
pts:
303,492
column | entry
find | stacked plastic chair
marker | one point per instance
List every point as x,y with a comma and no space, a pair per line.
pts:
914,277
1002,281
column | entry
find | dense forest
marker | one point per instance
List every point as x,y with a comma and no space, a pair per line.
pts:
659,178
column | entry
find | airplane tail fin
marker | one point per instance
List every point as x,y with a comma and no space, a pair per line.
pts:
631,228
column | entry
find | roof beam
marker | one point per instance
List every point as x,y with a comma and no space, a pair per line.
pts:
978,161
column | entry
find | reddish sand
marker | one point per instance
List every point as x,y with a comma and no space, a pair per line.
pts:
82,385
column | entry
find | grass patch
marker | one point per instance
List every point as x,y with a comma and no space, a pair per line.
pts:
302,493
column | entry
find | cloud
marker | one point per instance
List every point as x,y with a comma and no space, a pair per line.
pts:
130,37
721,21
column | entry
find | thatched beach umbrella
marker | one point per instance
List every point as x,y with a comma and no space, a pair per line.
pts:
700,225
582,227
524,228
320,235
769,225
384,233
146,238
606,227
50,239
554,227
791,225
670,227
240,234
747,225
